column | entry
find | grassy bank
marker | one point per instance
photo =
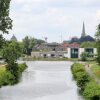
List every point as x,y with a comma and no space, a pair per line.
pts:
48,59
95,68
6,78
89,89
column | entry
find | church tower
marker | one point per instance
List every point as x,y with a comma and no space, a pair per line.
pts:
13,38
83,31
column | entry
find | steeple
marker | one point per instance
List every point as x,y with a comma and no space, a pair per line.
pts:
13,38
83,31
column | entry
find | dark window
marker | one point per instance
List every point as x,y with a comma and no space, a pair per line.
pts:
89,50
52,55
45,55
74,52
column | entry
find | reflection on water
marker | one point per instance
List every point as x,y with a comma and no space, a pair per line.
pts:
43,81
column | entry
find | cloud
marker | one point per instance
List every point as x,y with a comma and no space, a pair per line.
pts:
53,17
98,14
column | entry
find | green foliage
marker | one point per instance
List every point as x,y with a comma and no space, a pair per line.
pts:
88,44
76,69
5,21
8,78
89,89
84,56
87,56
98,43
11,51
22,67
29,43
98,33
2,40
13,69
95,68
92,91
80,75
83,80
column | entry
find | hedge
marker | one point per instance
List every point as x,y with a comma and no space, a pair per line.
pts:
6,78
89,88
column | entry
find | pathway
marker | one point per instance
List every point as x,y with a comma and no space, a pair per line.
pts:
88,69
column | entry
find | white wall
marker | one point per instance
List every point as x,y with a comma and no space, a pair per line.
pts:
69,53
81,50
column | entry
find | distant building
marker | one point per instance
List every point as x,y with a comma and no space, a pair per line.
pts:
74,45
47,50
83,38
49,47
13,38
74,39
76,52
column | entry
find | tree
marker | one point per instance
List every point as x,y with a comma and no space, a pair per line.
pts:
88,44
29,43
2,40
11,51
5,21
98,43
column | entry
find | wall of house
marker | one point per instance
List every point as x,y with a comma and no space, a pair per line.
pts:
81,50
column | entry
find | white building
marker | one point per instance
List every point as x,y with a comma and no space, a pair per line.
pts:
70,53
76,52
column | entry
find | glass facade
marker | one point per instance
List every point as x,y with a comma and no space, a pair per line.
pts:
74,52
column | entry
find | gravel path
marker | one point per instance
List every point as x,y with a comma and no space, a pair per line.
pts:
88,69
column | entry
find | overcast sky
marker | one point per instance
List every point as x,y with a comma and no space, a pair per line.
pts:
51,18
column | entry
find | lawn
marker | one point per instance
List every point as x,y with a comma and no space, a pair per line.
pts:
96,70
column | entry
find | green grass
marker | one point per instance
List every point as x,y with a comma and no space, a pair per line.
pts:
49,59
96,70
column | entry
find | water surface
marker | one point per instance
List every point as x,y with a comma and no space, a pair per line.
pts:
43,80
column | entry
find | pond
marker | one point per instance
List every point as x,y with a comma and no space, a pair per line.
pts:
43,80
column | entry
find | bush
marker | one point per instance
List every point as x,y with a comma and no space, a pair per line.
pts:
5,77
83,80
21,67
10,78
89,89
80,75
76,68
92,91
84,56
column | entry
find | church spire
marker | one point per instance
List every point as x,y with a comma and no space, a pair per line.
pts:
83,31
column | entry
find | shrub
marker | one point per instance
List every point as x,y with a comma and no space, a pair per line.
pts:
5,77
80,75
77,67
92,91
22,67
84,56
10,78
89,88
83,80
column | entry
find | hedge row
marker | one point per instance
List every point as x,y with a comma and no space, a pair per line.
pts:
90,90
6,78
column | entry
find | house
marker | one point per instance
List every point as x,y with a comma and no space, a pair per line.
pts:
76,52
47,50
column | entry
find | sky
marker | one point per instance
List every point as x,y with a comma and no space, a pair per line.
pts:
53,18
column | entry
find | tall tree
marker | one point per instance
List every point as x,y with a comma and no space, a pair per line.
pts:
5,21
11,51
28,43
98,42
